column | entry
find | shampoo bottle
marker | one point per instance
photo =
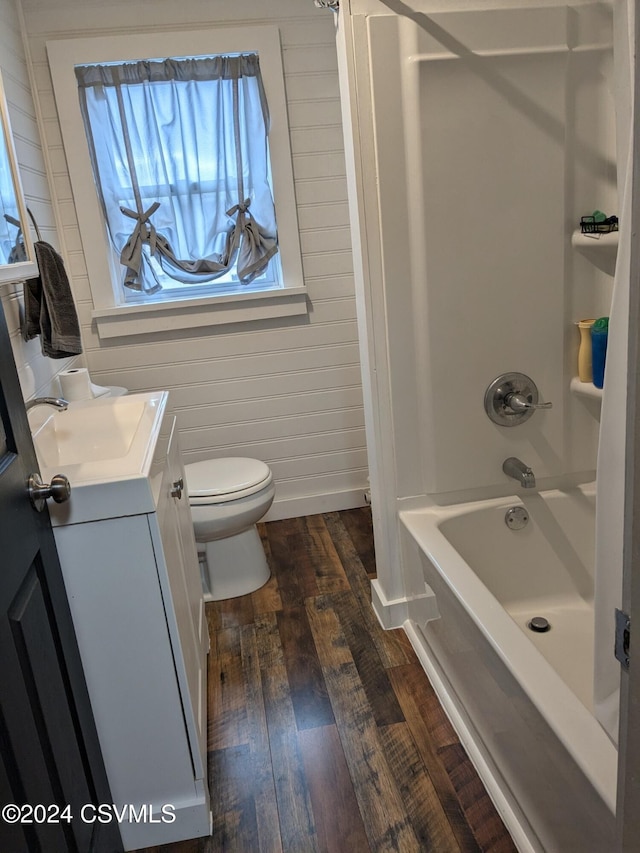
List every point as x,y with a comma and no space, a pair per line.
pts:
599,338
585,370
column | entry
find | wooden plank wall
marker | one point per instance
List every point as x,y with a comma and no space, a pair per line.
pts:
35,371
287,391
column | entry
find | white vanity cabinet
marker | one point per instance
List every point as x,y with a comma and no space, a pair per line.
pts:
134,588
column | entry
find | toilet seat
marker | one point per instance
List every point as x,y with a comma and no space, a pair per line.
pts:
215,481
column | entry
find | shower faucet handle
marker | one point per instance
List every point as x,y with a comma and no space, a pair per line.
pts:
519,403
511,399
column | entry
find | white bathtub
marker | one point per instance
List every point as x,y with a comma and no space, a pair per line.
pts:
522,700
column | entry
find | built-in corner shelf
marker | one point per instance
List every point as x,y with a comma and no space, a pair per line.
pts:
601,242
585,389
600,249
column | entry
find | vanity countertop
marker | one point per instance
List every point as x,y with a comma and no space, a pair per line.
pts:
108,448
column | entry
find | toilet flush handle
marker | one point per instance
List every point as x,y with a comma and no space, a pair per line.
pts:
176,488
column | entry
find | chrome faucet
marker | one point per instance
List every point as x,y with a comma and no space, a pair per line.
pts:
513,467
56,402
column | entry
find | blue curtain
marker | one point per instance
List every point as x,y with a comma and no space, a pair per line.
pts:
180,157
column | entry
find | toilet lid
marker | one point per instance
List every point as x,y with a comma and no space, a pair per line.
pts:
217,480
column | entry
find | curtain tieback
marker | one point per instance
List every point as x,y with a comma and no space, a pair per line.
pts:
241,207
142,220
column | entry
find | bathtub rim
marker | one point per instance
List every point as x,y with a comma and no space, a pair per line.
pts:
580,733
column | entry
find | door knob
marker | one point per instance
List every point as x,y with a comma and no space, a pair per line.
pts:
58,490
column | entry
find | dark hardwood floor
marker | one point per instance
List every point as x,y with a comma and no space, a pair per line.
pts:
324,732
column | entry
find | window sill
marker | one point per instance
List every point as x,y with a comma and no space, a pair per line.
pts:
123,320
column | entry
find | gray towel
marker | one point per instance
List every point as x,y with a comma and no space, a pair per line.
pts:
49,310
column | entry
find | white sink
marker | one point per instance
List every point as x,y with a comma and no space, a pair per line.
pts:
105,447
89,433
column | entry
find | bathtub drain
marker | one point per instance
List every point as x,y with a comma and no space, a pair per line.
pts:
539,624
516,517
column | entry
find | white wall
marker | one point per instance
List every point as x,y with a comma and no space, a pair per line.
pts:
36,372
287,391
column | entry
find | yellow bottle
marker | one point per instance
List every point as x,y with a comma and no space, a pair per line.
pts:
585,368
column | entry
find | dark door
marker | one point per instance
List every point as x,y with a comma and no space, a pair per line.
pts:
50,761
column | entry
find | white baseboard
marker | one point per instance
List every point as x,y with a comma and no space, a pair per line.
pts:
315,504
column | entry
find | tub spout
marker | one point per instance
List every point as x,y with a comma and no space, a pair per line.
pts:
513,467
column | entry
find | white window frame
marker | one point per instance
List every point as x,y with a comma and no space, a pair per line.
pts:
112,316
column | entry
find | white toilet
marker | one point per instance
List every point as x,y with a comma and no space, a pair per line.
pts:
227,497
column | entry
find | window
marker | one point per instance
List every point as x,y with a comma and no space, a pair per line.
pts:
191,228
179,150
